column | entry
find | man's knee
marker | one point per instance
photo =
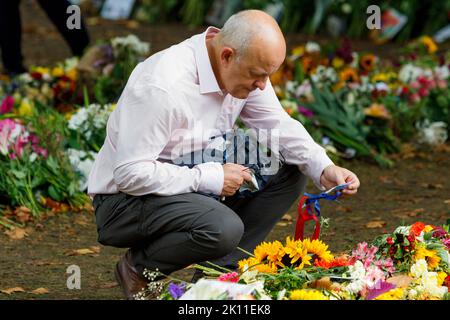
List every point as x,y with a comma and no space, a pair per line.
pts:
218,231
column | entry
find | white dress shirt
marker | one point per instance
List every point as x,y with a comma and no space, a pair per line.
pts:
172,95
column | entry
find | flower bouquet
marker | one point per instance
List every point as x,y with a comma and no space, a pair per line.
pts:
412,263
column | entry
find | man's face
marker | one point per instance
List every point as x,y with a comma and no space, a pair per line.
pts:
250,72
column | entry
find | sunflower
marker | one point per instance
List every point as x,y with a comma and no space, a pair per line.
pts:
430,257
349,75
275,253
260,251
318,250
297,252
307,294
367,62
254,264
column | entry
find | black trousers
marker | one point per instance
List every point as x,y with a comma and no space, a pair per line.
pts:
171,232
11,31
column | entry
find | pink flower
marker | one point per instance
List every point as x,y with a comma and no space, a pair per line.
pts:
423,92
415,85
442,84
229,277
7,105
6,127
414,97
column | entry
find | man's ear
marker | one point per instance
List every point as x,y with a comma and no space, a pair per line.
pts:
226,55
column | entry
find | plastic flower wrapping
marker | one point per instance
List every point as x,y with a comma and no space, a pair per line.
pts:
412,263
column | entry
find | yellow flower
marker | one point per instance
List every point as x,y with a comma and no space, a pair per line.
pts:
318,250
298,51
337,63
25,108
380,77
427,228
275,253
297,252
441,277
253,264
307,294
430,257
57,72
377,110
429,44
394,294
42,70
260,251
72,74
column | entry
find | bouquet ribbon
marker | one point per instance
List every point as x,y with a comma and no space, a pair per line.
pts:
309,209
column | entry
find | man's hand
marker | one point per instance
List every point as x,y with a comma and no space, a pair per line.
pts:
334,175
234,176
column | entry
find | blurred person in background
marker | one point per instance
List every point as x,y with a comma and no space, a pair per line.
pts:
11,31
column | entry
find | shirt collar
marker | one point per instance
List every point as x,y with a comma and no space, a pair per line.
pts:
207,79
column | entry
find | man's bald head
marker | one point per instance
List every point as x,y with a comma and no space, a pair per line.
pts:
252,29
247,50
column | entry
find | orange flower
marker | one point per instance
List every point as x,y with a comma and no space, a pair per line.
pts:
308,64
367,62
341,261
377,110
349,75
416,228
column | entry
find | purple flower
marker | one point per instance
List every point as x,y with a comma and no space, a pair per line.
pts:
176,291
446,243
379,288
306,112
439,233
7,105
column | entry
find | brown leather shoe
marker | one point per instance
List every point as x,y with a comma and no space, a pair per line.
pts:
128,277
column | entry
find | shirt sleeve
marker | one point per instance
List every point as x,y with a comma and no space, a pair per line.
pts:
264,111
147,116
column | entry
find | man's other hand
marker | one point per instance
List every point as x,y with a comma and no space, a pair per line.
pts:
334,175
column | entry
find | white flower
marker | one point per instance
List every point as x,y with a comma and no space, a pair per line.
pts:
409,73
290,86
323,73
304,89
312,47
419,268
381,86
82,162
429,282
432,134
131,42
77,119
404,230
357,274
442,72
